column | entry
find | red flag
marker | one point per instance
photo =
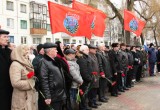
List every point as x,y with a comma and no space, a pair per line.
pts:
98,22
132,23
65,19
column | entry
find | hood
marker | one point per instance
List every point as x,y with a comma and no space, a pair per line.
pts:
19,53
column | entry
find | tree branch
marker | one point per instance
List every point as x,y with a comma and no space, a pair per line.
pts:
115,10
146,19
142,1
111,18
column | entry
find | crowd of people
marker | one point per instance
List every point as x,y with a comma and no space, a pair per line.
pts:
58,77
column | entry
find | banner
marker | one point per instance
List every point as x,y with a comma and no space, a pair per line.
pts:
68,20
132,23
98,22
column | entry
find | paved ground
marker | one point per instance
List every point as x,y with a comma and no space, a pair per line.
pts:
143,96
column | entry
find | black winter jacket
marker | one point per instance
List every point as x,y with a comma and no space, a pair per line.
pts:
5,84
52,81
84,62
104,64
115,62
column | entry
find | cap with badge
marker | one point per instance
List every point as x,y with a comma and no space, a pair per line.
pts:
69,51
4,31
91,46
49,45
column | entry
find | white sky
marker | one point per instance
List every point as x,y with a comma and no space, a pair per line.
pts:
117,3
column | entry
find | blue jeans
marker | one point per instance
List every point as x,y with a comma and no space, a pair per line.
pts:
73,97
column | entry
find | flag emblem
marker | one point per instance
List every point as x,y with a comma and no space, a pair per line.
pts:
71,24
133,25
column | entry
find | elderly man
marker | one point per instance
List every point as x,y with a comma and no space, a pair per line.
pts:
84,62
5,61
105,71
116,66
92,95
52,82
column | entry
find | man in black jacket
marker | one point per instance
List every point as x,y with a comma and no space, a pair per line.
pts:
116,68
124,63
129,66
139,70
84,62
52,82
105,71
36,61
5,61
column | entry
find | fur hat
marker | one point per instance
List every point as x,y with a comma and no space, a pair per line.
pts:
39,47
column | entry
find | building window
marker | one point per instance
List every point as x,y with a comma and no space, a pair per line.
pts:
74,41
38,15
10,23
48,39
65,41
48,27
10,5
92,42
36,40
11,39
47,13
56,39
23,24
23,8
80,41
23,39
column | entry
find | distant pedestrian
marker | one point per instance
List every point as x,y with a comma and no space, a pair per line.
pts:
152,59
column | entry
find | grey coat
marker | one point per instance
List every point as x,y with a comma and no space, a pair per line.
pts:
95,66
75,72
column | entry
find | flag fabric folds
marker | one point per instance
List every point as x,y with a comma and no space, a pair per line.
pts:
98,21
132,23
68,20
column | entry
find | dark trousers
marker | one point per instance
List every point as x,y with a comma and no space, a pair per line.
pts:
102,88
58,105
151,68
139,73
114,88
83,104
5,99
119,81
135,68
92,96
158,67
124,79
41,103
129,77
